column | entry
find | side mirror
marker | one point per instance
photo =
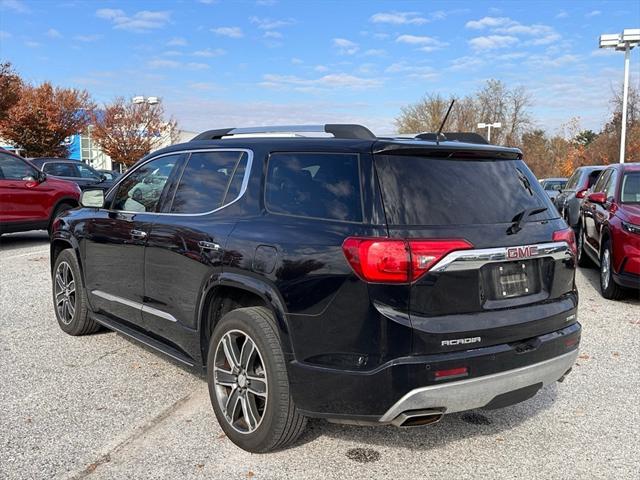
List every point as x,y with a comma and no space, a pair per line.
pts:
103,177
92,198
598,197
41,177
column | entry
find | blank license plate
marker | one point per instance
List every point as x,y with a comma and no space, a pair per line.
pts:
513,279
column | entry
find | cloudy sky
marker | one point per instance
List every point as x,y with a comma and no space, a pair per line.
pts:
224,63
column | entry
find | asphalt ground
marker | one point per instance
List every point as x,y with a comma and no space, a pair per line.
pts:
104,407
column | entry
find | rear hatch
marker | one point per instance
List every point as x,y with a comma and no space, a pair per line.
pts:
513,281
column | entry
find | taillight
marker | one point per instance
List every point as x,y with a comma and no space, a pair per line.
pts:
582,193
386,260
568,236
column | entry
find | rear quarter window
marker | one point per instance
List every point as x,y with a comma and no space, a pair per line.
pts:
431,192
315,185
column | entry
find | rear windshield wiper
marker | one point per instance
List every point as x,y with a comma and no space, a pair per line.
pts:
519,219
525,181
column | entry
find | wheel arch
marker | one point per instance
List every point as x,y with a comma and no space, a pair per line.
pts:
230,291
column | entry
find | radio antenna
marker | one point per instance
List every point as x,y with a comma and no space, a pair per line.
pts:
444,120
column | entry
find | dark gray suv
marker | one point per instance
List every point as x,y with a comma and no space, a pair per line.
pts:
569,200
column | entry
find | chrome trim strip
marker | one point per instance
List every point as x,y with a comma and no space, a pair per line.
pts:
138,306
475,259
477,392
159,313
243,187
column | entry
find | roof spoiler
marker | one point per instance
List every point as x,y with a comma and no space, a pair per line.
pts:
466,137
338,130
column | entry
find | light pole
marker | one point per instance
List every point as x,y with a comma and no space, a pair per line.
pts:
625,41
489,126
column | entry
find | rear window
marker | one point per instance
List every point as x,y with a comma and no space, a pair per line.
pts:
427,191
314,185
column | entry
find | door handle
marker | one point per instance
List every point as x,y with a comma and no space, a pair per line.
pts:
208,245
138,234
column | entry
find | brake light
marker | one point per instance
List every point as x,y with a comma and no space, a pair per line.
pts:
386,260
568,236
582,193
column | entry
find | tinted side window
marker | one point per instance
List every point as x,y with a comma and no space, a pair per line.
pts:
599,185
87,172
572,183
314,185
593,177
60,169
12,168
141,190
205,181
610,186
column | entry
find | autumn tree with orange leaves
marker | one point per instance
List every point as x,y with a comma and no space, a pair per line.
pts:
10,88
43,116
128,131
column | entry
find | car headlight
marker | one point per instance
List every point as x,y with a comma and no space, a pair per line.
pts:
631,228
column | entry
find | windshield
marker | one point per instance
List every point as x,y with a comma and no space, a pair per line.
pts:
430,191
630,192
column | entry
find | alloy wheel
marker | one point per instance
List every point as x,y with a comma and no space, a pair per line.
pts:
240,379
65,293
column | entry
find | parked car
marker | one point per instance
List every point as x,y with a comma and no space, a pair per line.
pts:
110,175
553,186
73,170
609,230
29,199
351,277
569,199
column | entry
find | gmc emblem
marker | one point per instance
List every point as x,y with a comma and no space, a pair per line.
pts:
522,252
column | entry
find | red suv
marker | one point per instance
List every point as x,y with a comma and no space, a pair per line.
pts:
609,229
29,199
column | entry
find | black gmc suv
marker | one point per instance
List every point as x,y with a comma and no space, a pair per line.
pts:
359,279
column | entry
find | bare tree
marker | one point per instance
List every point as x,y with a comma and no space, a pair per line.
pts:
128,131
44,116
424,116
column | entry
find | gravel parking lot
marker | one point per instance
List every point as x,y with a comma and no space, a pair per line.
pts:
104,407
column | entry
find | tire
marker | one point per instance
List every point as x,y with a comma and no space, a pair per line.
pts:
69,296
60,209
608,287
583,259
257,387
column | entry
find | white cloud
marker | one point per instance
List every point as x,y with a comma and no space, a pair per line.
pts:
491,22
231,32
604,52
272,34
345,47
375,52
466,63
562,14
399,18
4,34
32,44
15,5
87,38
173,53
552,62
141,21
197,66
53,33
266,3
209,53
270,24
593,13
159,63
297,61
426,44
327,82
321,68
491,42
177,42
204,86
410,70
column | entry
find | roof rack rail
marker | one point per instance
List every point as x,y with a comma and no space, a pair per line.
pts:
467,137
338,130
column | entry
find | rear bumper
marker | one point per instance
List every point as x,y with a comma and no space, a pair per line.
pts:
479,392
373,395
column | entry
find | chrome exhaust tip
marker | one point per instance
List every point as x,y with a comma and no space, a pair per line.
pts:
418,418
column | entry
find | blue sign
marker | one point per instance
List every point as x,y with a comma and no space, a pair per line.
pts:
72,142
